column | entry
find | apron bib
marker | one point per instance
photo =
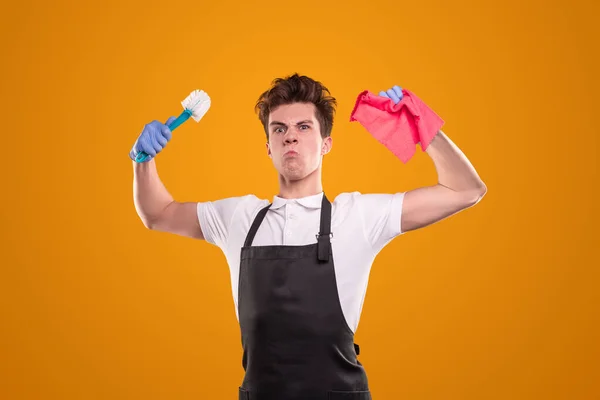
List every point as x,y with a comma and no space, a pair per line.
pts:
297,344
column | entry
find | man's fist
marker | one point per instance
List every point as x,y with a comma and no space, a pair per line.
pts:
152,140
394,93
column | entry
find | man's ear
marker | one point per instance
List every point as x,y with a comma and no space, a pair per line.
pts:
268,149
327,144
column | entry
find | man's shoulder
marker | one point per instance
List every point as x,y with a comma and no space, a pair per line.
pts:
246,200
345,204
346,199
245,204
346,196
250,199
251,202
365,201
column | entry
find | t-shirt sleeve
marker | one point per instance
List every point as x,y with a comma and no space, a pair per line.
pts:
215,219
381,218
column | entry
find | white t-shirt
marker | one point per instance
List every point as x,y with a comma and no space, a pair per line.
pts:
362,224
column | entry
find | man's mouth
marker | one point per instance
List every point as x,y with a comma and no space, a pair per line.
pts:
291,153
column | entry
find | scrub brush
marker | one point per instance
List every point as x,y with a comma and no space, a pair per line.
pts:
195,106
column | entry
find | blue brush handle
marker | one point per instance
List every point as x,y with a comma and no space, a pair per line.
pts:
141,157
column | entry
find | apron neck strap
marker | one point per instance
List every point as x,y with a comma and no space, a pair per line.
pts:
323,237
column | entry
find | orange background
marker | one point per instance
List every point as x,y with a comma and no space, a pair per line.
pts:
498,302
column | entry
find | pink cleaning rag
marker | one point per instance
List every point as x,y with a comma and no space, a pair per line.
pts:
399,127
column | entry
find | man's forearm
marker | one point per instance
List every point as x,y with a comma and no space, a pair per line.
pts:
453,168
149,194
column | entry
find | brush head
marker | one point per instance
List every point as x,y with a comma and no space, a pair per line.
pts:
197,103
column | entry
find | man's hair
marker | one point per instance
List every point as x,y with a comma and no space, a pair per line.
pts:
298,89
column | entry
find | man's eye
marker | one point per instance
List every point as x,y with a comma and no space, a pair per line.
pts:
305,126
277,130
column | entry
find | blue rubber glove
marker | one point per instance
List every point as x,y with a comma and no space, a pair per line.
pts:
152,140
394,93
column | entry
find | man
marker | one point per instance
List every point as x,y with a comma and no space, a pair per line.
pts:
300,265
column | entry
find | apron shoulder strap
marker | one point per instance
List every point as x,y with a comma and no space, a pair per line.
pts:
324,236
254,228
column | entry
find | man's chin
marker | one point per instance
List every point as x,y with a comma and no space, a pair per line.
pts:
293,174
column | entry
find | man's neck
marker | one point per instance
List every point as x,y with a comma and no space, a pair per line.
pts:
309,186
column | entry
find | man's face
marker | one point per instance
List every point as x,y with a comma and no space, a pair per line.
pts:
295,142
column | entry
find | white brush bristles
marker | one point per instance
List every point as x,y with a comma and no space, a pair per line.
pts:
198,102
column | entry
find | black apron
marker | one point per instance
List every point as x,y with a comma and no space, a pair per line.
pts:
297,344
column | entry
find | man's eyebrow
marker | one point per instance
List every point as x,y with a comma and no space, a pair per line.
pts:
299,123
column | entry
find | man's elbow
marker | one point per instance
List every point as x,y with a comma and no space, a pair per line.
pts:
148,221
475,195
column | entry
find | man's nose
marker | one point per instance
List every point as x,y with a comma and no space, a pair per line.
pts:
291,136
